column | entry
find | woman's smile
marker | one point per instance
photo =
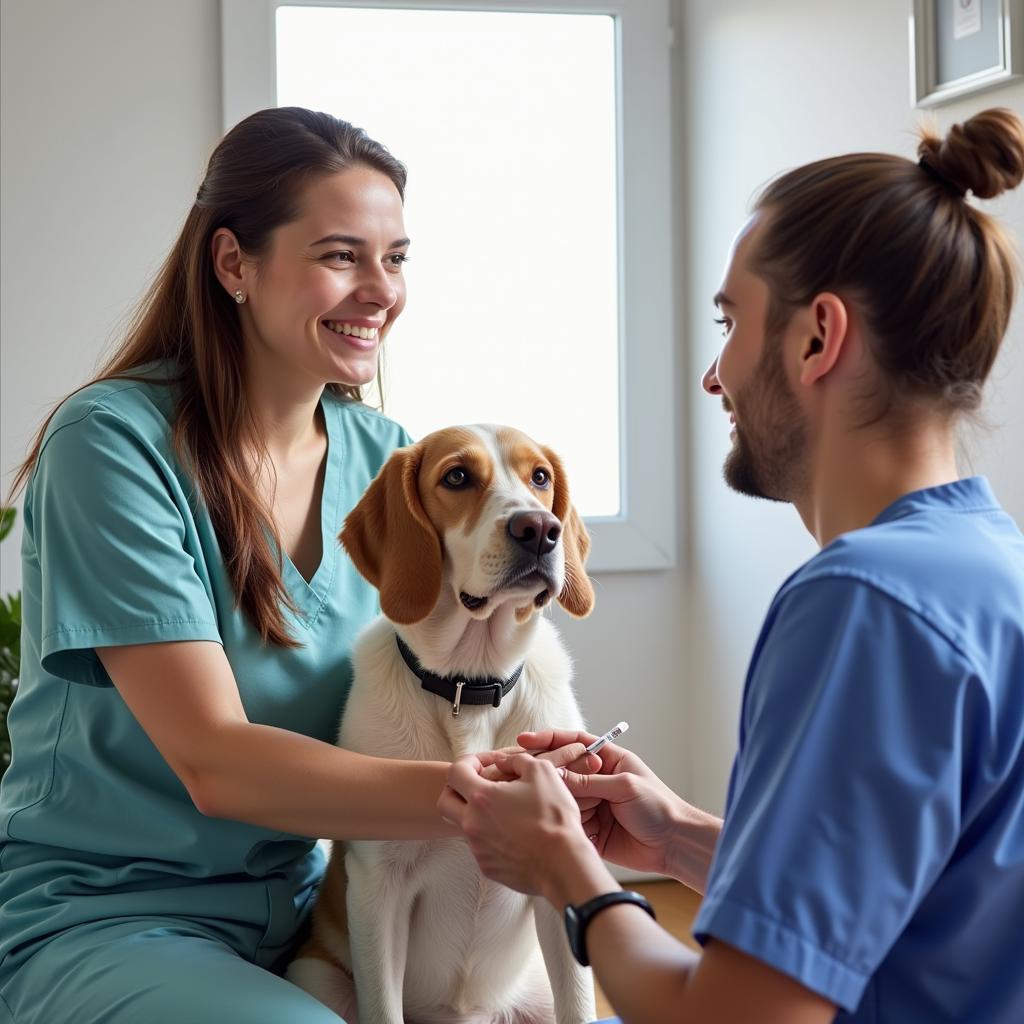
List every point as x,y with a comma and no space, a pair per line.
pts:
365,339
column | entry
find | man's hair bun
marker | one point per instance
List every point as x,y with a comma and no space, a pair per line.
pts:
984,155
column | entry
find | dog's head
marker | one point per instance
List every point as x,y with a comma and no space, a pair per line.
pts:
483,510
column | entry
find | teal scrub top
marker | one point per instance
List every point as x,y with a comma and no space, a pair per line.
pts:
119,549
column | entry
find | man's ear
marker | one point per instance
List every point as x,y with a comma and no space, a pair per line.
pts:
827,327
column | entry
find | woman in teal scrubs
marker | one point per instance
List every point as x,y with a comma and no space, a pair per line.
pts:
188,615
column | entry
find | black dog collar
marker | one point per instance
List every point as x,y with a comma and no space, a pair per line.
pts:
458,691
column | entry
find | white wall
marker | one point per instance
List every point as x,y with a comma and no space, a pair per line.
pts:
110,110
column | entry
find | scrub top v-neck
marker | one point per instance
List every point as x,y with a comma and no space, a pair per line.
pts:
119,549
309,595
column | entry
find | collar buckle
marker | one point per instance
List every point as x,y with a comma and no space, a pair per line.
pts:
458,697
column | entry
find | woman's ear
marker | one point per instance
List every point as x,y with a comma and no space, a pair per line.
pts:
392,542
827,329
228,261
577,594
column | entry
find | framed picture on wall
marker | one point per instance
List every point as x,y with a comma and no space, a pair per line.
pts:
958,47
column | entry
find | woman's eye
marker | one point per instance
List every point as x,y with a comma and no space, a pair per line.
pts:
724,322
455,478
396,259
541,478
340,257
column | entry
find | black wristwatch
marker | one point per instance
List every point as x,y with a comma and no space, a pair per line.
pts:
577,918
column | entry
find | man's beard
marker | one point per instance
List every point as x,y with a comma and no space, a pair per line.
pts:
768,457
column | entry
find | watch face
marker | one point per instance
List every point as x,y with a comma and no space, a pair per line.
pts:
578,918
572,931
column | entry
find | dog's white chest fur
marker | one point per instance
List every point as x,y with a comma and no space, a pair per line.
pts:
472,943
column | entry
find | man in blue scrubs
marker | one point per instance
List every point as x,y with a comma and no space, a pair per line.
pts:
870,866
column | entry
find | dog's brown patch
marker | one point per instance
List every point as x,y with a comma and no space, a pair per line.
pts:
577,596
444,451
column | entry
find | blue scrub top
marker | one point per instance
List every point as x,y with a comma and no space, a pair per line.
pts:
119,549
873,846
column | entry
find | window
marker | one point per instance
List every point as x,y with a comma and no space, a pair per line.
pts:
540,278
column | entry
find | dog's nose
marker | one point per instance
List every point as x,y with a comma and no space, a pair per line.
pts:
537,531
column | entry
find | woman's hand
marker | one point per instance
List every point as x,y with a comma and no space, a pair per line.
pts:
572,754
525,832
639,822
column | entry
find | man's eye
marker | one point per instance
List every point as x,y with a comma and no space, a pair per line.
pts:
541,478
724,322
397,259
455,479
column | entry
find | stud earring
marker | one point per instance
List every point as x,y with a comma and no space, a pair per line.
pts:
239,296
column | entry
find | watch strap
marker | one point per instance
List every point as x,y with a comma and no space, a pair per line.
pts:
586,912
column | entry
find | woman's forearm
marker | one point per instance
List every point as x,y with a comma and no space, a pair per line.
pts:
185,697
293,783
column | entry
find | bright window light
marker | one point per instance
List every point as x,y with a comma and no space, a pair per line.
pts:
506,122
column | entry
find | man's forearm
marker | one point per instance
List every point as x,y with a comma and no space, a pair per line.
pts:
688,858
642,969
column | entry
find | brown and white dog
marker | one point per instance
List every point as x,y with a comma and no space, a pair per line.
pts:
466,534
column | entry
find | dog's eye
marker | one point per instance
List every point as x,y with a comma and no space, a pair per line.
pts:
541,478
456,478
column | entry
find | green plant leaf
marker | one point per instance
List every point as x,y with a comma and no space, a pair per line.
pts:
10,611
6,521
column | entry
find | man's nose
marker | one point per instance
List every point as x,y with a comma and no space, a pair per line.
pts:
709,382
537,531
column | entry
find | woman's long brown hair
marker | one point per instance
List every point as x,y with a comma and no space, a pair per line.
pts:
187,322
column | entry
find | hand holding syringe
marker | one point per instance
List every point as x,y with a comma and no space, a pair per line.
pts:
614,733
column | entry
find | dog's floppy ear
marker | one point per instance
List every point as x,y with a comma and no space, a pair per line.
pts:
392,542
577,596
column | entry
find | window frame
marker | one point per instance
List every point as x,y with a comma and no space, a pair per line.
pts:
643,535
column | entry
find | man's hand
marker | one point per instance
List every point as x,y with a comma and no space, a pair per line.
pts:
634,819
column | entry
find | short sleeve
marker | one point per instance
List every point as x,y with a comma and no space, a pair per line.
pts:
111,530
844,803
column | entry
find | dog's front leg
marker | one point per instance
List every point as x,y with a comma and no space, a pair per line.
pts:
571,985
379,907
